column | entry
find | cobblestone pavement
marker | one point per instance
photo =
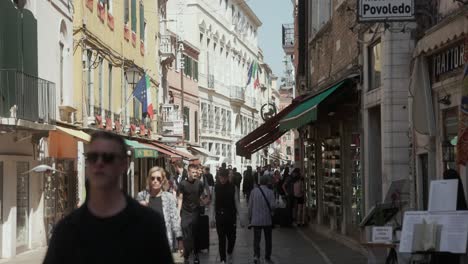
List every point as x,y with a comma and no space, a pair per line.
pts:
290,246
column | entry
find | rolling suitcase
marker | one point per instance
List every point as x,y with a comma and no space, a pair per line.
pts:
203,234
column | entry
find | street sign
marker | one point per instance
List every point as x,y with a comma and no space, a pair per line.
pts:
385,10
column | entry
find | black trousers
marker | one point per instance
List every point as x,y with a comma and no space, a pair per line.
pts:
226,229
189,224
267,230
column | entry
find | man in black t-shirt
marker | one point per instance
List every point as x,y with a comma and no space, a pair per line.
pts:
189,194
110,227
224,212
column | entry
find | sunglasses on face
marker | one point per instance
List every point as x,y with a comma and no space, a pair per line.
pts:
106,157
159,179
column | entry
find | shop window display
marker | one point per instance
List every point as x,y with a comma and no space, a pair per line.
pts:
356,180
332,178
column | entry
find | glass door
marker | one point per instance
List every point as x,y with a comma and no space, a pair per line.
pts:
22,205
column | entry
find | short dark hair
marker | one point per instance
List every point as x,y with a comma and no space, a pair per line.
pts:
207,168
110,136
223,165
193,167
234,169
223,172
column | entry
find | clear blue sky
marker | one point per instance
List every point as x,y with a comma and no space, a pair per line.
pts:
273,13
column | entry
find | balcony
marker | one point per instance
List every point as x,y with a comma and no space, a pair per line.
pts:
166,48
237,94
26,97
288,38
171,120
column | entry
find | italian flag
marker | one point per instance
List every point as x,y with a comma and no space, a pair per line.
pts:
143,93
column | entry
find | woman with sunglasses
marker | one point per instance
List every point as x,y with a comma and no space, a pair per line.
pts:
164,202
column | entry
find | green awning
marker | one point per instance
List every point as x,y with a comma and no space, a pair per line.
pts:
142,150
306,111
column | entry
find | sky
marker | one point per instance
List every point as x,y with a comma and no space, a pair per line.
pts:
272,13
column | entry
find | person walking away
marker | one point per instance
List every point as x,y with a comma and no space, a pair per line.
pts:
157,198
237,178
276,184
298,191
105,228
181,172
224,209
189,194
288,189
261,206
248,183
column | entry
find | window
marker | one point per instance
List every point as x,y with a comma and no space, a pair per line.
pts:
142,21
61,73
109,7
450,135
195,70
101,83
136,108
288,151
110,88
89,80
204,117
229,122
375,65
134,16
186,123
126,11
196,126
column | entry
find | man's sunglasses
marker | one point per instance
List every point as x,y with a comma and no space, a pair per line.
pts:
159,179
106,157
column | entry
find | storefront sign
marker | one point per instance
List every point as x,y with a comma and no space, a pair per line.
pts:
385,10
146,153
448,60
382,234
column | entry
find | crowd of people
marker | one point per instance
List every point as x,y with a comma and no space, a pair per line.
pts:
171,217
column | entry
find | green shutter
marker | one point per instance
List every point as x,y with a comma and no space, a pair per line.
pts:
134,17
195,70
142,22
126,11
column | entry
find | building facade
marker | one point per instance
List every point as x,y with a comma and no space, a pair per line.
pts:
227,44
30,98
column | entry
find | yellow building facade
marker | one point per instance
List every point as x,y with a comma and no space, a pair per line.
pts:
110,38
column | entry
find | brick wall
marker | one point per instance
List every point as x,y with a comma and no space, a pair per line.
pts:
334,49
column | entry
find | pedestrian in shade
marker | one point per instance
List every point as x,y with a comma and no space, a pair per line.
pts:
261,206
108,226
224,211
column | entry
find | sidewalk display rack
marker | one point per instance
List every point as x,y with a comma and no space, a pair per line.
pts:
332,177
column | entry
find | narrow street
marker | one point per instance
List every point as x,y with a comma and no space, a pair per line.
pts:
290,245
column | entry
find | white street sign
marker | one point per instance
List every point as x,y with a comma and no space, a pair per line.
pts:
385,10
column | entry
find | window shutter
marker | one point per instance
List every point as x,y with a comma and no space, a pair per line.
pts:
126,11
134,16
142,22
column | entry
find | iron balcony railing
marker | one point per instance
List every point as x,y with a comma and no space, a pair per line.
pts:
237,93
288,35
27,97
166,46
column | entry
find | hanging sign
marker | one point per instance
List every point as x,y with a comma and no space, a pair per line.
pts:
385,10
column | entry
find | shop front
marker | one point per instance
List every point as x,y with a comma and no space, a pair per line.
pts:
329,128
64,188
142,157
438,78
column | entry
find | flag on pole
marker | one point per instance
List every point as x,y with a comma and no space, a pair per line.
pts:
142,93
462,139
249,75
257,81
